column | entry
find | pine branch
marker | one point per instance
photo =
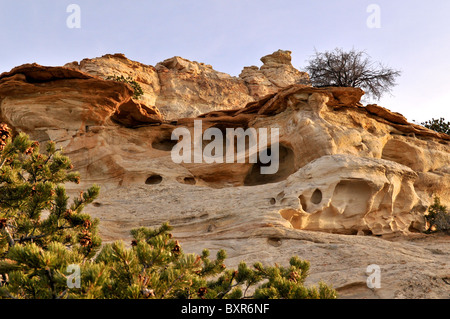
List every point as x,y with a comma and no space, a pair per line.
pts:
31,238
222,294
61,295
49,274
9,237
2,163
171,286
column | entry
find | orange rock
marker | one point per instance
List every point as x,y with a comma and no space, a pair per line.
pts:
114,139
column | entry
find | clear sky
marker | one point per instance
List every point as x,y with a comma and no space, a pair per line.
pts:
413,36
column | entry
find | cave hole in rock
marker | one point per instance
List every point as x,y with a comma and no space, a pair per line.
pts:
414,228
286,167
164,145
153,179
302,200
189,180
164,142
316,197
353,195
280,195
273,241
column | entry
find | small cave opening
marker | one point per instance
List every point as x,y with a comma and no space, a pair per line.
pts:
316,197
302,200
414,227
153,179
165,144
286,167
273,241
164,141
189,180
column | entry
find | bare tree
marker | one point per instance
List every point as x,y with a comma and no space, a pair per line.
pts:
351,69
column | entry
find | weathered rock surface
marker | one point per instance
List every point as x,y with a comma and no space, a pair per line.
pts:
181,88
245,222
58,102
277,72
347,194
117,65
347,172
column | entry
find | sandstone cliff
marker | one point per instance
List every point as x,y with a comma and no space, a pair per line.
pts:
344,168
182,88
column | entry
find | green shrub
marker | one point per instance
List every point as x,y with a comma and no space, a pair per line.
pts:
34,207
440,126
437,217
138,92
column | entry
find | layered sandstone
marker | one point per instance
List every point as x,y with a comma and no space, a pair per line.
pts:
344,168
276,72
179,88
116,140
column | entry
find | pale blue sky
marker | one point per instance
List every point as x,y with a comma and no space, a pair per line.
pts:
230,34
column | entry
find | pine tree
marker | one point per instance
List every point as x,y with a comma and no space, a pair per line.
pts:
41,237
437,217
156,267
36,220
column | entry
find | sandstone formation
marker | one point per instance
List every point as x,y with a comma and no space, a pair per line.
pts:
181,88
276,72
344,168
245,221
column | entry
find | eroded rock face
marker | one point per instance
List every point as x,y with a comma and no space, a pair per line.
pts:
116,140
351,195
189,89
179,88
58,101
119,65
245,221
276,72
344,168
